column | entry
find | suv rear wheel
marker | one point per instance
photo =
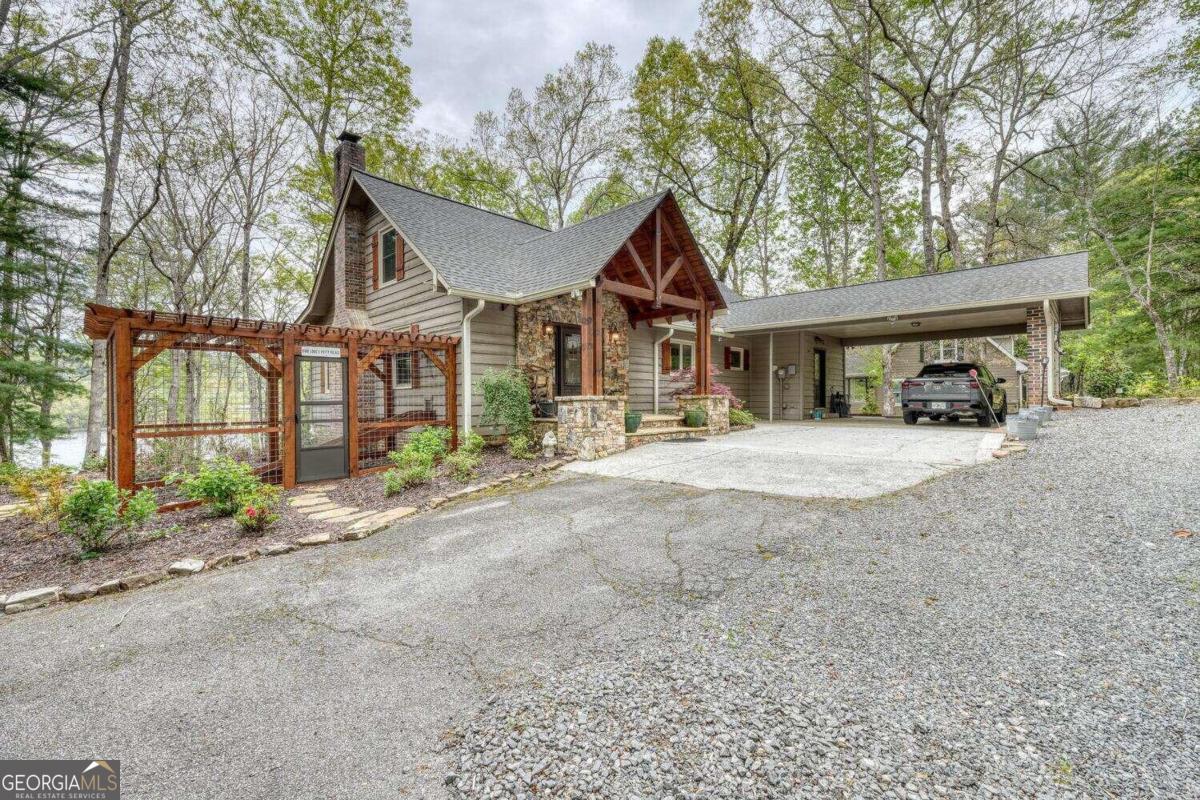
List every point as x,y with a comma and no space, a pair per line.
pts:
910,418
984,420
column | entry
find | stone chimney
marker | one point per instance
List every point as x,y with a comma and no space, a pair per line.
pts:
350,268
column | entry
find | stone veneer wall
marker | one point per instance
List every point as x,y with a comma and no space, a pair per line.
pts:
714,405
591,427
535,347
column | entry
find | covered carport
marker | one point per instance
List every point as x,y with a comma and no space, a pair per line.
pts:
803,335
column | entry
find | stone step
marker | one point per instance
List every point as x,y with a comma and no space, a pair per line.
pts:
662,435
659,421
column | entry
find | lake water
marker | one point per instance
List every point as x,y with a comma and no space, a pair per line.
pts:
67,451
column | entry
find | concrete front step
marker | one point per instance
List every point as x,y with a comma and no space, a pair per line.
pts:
661,435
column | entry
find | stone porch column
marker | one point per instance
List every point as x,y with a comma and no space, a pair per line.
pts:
591,426
716,406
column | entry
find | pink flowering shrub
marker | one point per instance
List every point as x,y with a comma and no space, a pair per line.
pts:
687,377
256,511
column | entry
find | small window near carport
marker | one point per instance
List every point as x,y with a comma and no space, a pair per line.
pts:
737,359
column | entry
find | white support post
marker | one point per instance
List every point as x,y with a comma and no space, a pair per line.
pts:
771,377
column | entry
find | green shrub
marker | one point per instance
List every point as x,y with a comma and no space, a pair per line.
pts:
96,511
1148,384
434,442
471,443
398,479
41,490
257,511
221,484
94,463
520,446
740,416
506,401
463,465
8,473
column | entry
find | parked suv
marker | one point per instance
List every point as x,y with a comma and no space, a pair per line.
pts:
952,391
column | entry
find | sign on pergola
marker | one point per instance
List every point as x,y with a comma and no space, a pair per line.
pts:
299,402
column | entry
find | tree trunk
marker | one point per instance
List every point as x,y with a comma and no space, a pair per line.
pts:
927,244
945,191
878,245
889,402
104,241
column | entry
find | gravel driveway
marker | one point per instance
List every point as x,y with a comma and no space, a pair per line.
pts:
1025,626
1029,628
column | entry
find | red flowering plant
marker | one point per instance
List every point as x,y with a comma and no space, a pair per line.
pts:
257,510
686,378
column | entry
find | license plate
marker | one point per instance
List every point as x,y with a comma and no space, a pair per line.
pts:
938,405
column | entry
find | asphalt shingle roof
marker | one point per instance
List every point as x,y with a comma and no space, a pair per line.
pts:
478,251
1018,280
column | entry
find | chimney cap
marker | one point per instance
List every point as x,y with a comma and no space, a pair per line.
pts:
347,136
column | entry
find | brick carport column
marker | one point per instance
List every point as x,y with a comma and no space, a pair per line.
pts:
1038,329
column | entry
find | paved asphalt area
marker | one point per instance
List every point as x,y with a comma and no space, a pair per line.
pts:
342,671
832,458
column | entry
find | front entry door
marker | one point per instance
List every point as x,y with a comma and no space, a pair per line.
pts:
568,361
819,398
321,425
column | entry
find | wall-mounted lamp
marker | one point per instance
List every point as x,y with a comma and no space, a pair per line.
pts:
615,336
548,328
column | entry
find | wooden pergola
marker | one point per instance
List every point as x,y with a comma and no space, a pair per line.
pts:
659,273
271,350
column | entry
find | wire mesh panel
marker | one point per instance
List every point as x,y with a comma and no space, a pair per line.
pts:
401,390
199,396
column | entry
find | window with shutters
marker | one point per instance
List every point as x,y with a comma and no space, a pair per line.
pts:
737,358
388,271
682,354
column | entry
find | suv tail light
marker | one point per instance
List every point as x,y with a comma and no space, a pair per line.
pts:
908,384
974,384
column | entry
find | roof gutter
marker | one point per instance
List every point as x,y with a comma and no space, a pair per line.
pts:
883,315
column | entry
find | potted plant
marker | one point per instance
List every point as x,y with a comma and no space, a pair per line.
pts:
633,419
695,417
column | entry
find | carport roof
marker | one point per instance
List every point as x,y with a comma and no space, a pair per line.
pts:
977,289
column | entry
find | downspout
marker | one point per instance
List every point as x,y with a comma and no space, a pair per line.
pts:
468,384
1051,381
658,361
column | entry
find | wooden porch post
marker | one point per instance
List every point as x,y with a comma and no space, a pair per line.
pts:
289,410
587,332
389,393
598,340
703,348
273,438
123,402
352,404
450,354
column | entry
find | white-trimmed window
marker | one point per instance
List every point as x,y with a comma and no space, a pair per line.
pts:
682,355
737,359
403,374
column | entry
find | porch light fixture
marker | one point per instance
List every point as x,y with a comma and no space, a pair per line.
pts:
548,328
615,336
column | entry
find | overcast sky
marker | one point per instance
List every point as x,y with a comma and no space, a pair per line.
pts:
468,54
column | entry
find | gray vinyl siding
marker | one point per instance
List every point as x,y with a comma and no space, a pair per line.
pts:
413,298
493,346
641,369
642,362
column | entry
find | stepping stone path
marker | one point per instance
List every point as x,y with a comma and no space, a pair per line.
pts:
9,510
314,503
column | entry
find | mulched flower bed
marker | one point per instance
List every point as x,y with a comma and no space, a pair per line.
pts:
33,555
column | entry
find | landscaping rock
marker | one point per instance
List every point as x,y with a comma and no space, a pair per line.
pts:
141,579
276,549
80,591
109,587
242,555
219,561
186,566
337,512
437,502
33,598
314,539
1083,401
354,535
